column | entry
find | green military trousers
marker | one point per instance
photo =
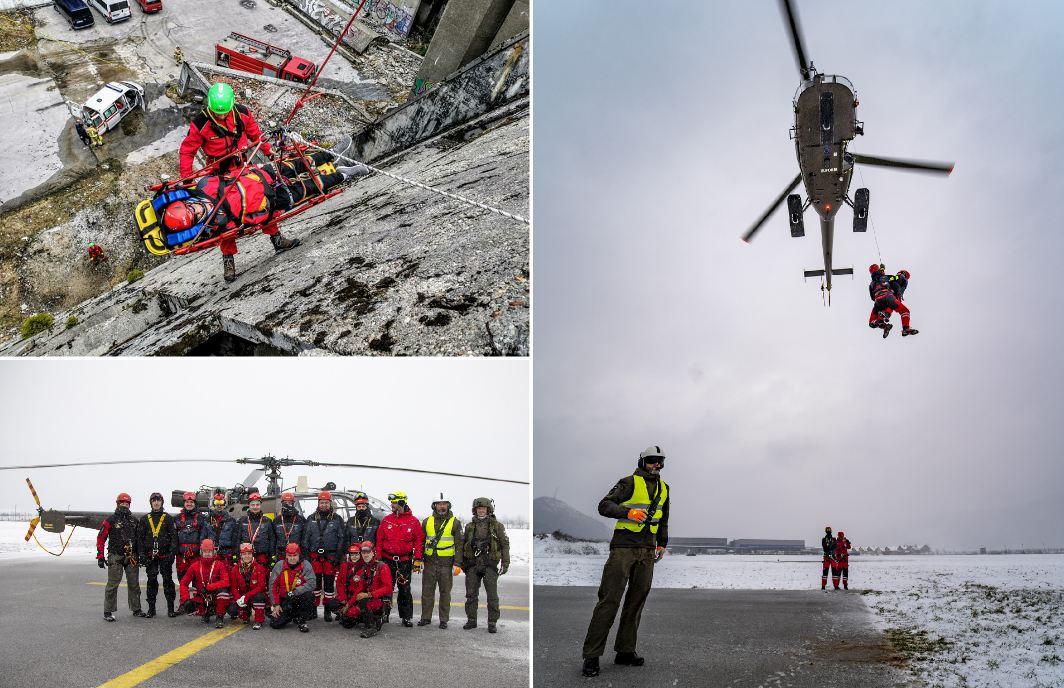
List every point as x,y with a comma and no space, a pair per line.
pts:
631,567
489,573
116,566
438,571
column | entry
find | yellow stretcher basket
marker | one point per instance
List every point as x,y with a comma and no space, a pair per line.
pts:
150,231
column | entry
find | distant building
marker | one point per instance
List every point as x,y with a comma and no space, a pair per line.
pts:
696,545
756,545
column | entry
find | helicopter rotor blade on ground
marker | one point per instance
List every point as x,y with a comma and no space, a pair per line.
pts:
797,44
775,204
407,470
916,165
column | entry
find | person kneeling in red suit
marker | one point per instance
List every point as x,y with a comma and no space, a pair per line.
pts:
363,588
247,586
205,585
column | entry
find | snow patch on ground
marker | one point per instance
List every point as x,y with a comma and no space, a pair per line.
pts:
14,546
964,621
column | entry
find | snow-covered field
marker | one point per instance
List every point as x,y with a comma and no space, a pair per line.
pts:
971,621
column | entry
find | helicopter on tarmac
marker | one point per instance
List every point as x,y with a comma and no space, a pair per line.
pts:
825,121
236,497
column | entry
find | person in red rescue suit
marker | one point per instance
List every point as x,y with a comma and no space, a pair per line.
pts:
828,544
885,292
255,197
192,529
219,135
119,534
325,541
256,528
205,586
288,526
292,590
400,541
363,588
841,568
156,549
223,529
247,587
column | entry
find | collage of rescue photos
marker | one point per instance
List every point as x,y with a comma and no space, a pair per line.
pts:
274,411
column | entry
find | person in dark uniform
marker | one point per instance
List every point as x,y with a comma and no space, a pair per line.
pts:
156,550
828,544
640,503
79,127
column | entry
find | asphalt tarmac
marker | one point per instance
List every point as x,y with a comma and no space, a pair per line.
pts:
51,613
725,638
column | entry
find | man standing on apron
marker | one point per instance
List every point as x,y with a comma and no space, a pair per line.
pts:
443,560
640,503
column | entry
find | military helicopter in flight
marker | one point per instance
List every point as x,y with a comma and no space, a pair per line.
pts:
825,121
236,497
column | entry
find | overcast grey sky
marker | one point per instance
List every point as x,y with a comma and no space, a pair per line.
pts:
466,416
661,134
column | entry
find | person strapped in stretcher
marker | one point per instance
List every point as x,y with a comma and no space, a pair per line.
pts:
216,205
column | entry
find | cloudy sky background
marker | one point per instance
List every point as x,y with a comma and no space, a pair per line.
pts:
661,134
450,415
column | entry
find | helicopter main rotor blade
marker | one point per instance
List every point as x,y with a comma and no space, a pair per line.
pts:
409,470
797,44
775,204
253,477
917,165
109,463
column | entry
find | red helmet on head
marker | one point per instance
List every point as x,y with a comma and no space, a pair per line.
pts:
325,495
874,268
254,497
123,497
207,544
246,547
366,544
292,548
178,216
842,534
190,495
288,497
354,548
904,273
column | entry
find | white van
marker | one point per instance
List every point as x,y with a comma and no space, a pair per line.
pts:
112,10
110,104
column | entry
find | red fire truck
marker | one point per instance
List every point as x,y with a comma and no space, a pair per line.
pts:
237,51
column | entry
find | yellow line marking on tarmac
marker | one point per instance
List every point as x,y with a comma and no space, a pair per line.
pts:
163,662
417,602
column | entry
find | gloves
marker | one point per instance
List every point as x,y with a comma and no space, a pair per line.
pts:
457,570
659,553
637,515
362,596
266,150
417,565
503,568
101,562
240,602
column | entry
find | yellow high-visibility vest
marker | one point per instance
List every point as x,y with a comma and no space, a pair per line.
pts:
640,499
445,545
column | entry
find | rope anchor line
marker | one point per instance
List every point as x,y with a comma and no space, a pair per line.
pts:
299,139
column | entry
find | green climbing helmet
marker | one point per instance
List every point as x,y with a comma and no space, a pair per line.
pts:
220,99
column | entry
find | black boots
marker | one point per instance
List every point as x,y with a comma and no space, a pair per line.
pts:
906,331
139,613
303,627
229,268
108,616
151,611
471,624
887,327
328,615
408,623
491,628
282,243
628,659
170,609
443,624
591,666
424,622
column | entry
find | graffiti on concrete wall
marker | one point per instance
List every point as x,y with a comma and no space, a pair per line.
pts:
322,14
393,17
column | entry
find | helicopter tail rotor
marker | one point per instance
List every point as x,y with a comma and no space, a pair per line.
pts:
915,165
36,519
805,66
756,227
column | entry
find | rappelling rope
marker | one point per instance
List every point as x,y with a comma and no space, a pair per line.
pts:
63,549
876,238
441,192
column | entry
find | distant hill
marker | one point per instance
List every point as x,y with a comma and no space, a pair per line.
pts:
550,514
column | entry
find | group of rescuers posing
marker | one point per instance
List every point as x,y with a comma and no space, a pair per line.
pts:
229,198
224,564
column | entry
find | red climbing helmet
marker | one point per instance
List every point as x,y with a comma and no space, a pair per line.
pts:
325,495
353,548
206,545
874,268
190,495
123,497
291,549
246,547
178,216
904,273
288,497
254,497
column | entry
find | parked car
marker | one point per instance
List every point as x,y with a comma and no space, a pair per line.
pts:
150,6
112,10
76,12
110,104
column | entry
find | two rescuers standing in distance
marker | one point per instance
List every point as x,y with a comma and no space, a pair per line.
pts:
640,503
